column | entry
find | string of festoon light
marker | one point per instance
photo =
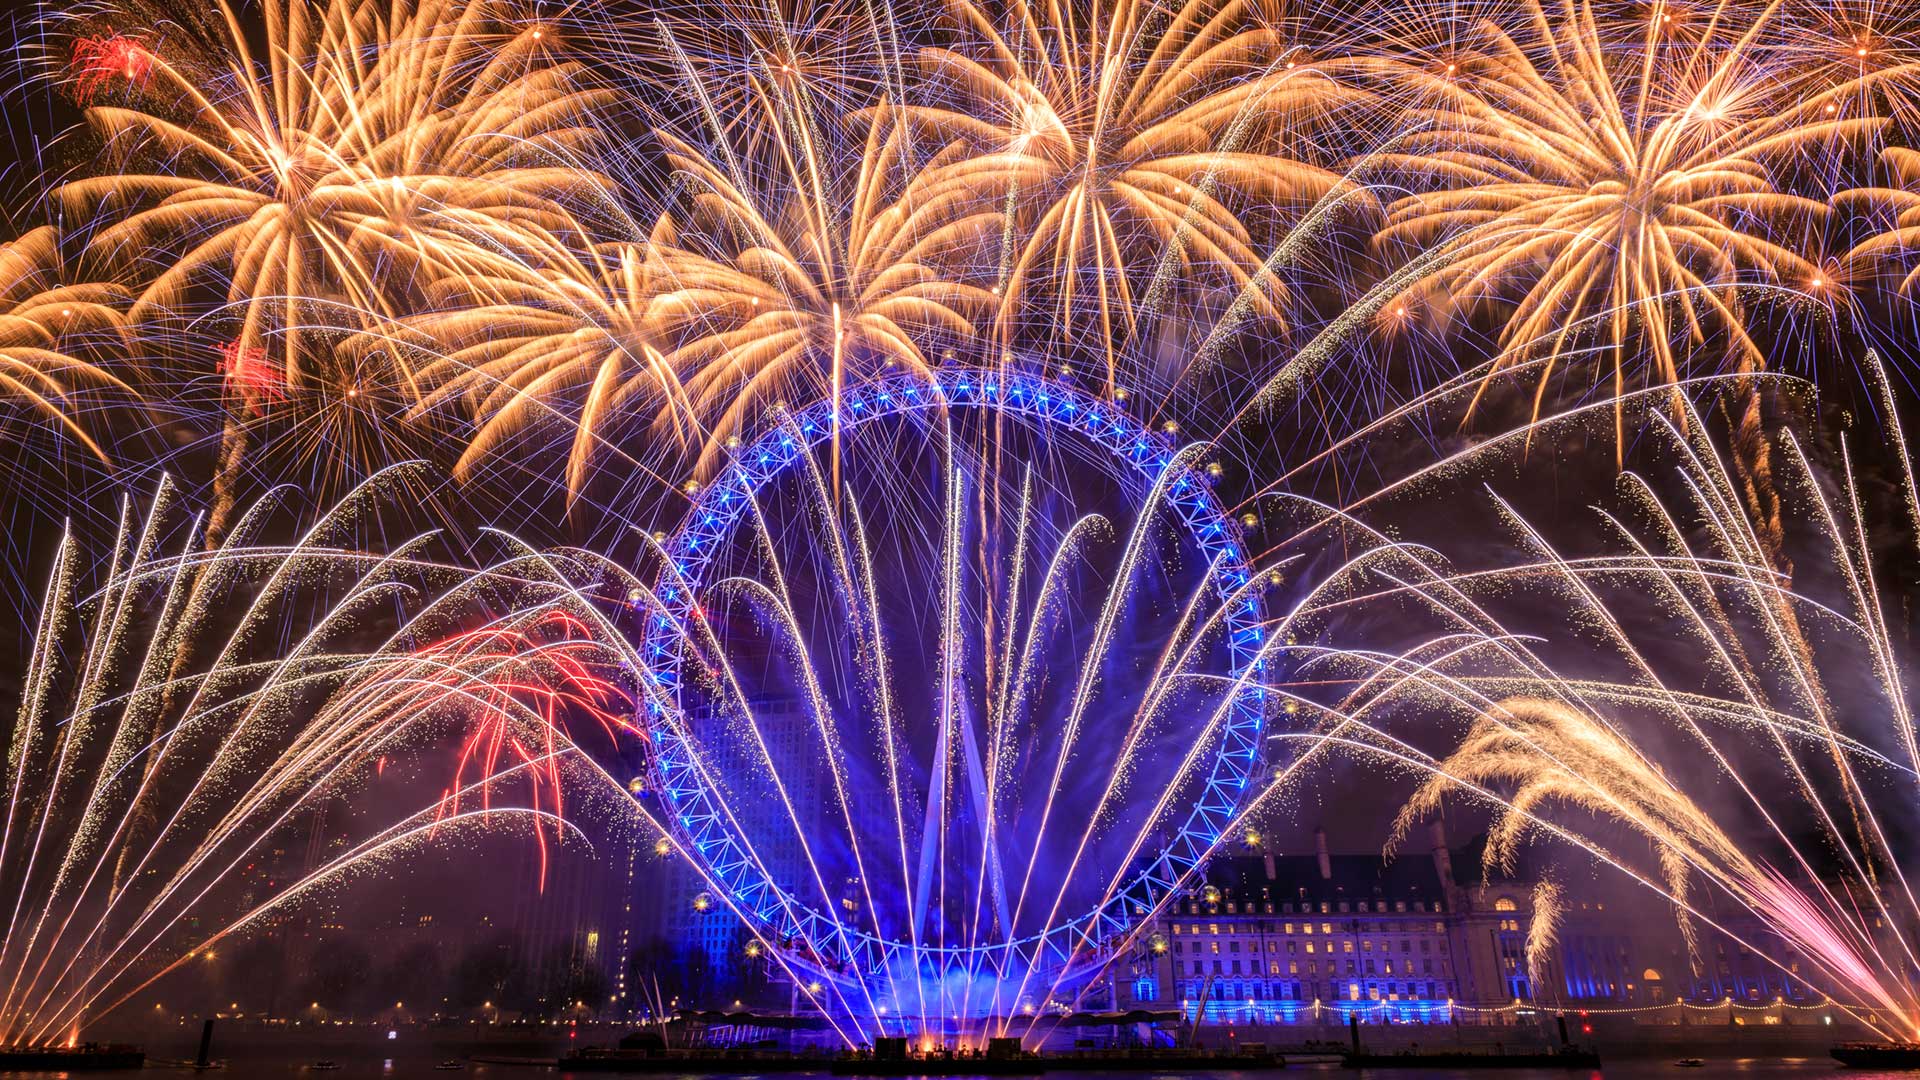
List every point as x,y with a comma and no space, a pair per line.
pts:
1517,1006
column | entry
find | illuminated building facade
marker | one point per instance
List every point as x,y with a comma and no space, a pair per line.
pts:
1307,938
1276,939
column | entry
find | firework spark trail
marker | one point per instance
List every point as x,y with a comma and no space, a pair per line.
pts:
1603,184
1623,187
1714,629
1048,606
778,598
343,162
572,597
1822,928
126,740
1910,490
883,693
867,638
1712,486
52,330
999,685
1174,251
1100,139
1311,227
1400,675
1170,673
1663,574
706,644
1276,644
1821,924
1110,610
1554,755
1243,685
1856,572
950,706
822,717
1490,447
1828,949
508,340
791,285
248,744
345,755
1378,743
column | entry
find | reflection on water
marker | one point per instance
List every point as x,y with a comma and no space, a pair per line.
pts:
423,1068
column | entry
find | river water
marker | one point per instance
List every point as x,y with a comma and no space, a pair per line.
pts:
251,1064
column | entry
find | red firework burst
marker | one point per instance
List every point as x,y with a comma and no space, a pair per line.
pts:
550,673
250,374
98,62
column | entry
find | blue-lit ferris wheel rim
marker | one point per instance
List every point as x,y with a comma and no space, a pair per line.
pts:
706,833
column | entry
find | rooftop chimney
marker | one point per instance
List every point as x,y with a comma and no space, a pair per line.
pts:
1320,849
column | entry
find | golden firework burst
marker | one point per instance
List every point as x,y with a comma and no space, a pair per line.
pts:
1607,190
53,333
323,177
558,334
1112,148
792,294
